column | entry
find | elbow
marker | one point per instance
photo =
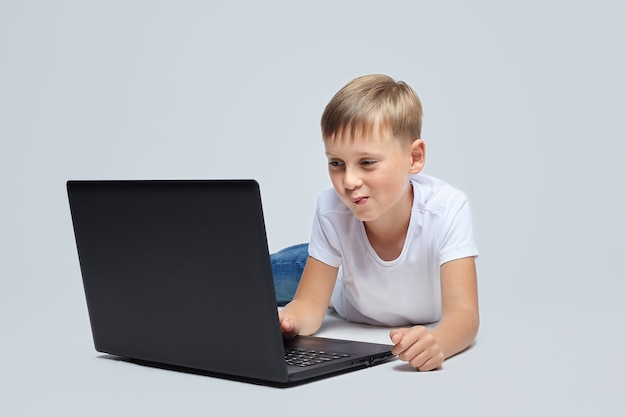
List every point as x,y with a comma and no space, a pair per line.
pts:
473,325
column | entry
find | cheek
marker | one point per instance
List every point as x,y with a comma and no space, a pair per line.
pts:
391,184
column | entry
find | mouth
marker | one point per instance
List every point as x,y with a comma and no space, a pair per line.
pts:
359,201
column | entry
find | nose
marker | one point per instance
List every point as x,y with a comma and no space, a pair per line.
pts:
351,179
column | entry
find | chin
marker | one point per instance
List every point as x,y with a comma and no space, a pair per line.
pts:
364,217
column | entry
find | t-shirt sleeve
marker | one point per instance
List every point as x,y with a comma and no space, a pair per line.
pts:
324,242
456,238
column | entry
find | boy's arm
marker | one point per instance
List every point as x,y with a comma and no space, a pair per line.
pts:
426,350
305,313
459,296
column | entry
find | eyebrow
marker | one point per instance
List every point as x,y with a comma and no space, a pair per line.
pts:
358,155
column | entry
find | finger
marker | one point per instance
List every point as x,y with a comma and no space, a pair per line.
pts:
396,336
428,359
286,325
408,339
288,328
419,348
400,340
432,363
412,354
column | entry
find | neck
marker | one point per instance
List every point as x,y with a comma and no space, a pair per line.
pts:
388,233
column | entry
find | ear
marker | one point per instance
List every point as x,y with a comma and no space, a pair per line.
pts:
418,156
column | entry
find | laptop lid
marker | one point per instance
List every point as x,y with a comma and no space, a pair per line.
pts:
178,273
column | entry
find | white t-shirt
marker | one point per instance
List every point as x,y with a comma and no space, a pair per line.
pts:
404,291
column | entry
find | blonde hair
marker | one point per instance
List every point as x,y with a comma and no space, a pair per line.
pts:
374,100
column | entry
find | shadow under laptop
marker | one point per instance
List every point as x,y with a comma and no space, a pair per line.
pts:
199,372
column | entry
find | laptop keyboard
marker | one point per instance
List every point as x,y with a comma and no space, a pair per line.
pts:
308,357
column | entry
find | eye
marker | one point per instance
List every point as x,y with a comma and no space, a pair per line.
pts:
368,162
335,164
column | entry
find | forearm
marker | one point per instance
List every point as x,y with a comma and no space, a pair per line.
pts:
309,305
456,331
460,319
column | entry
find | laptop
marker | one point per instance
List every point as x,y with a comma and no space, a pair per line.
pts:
177,275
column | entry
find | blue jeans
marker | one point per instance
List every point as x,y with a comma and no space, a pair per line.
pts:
287,267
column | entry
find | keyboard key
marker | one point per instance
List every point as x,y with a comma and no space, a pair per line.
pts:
303,358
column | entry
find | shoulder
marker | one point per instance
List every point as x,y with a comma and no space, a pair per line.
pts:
444,210
435,195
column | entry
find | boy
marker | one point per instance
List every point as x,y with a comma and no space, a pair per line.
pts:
388,246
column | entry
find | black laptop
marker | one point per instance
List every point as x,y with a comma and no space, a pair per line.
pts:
177,274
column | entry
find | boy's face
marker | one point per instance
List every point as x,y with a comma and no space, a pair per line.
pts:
370,173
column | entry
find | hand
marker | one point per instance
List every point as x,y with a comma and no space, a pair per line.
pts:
417,346
287,325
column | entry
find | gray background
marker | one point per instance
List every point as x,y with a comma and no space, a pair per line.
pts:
524,109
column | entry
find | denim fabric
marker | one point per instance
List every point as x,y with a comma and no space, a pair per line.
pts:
287,267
